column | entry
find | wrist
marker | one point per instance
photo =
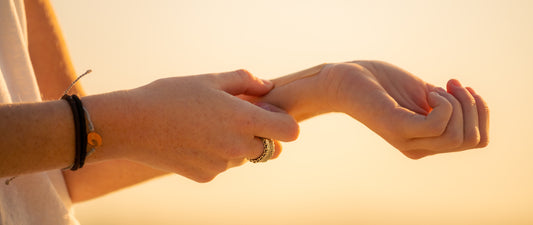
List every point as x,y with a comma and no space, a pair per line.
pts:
112,118
303,94
347,85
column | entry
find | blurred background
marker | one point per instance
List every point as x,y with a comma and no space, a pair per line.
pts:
338,171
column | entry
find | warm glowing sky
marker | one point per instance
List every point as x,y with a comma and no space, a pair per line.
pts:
338,172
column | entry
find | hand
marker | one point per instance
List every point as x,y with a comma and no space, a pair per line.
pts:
196,126
417,118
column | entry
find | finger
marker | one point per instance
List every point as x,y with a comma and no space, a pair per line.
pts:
483,116
243,82
452,137
470,114
271,121
432,125
279,148
258,149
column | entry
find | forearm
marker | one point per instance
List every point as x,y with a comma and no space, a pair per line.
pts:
48,52
302,94
97,179
35,137
111,116
54,72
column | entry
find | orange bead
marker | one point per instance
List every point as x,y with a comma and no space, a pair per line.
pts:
94,139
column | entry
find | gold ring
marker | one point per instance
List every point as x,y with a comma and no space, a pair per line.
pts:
268,151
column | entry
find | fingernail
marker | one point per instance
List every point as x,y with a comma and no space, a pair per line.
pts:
267,82
269,107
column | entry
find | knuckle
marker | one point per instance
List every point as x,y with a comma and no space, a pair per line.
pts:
204,178
219,167
244,74
415,154
484,142
402,144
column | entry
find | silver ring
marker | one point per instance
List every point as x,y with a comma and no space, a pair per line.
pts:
268,151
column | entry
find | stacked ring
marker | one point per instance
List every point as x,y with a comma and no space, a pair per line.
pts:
268,151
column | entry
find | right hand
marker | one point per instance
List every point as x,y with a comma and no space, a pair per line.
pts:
416,117
196,126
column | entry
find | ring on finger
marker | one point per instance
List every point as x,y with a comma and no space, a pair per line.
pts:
268,151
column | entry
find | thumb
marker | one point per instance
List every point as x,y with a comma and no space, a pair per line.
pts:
243,82
273,122
434,124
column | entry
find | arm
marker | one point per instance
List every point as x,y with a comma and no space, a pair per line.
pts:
107,170
194,126
417,118
54,73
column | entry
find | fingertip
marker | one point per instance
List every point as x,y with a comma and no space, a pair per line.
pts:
278,150
267,83
453,84
293,131
433,98
436,99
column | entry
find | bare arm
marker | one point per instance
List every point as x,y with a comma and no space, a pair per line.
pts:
54,72
49,55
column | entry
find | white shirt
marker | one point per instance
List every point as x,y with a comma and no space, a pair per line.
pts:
40,198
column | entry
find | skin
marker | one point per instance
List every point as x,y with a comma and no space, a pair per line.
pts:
416,117
54,72
174,124
102,173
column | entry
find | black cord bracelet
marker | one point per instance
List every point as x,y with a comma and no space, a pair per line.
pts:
81,135
80,130
83,131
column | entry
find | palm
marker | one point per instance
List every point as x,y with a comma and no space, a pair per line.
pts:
393,103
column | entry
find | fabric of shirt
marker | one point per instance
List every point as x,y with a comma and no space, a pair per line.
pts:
39,198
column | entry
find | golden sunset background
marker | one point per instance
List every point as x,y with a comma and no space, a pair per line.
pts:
338,171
